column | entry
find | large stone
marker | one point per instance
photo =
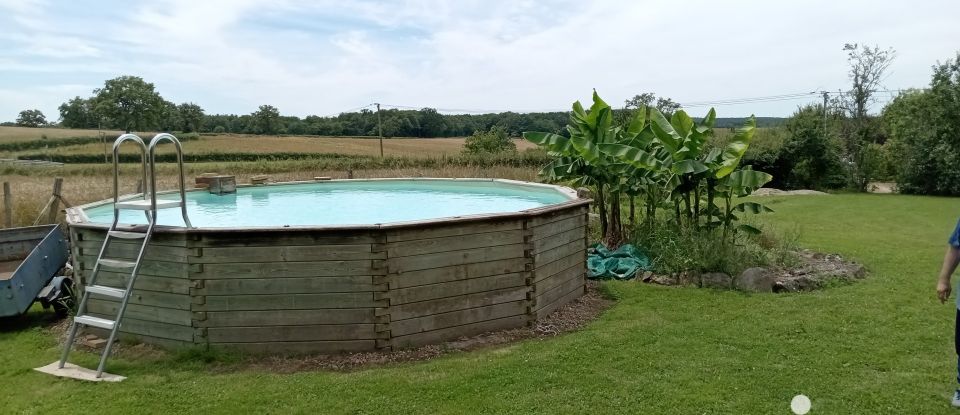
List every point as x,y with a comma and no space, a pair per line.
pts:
689,278
758,280
718,280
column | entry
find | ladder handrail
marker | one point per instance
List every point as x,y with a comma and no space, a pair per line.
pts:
116,164
151,150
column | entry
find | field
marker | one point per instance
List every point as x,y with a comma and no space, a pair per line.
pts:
879,346
10,134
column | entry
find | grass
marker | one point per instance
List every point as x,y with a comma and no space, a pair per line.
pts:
11,134
882,345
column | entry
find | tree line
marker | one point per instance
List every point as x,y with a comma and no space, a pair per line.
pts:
131,104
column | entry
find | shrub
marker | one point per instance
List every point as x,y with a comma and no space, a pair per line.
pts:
493,141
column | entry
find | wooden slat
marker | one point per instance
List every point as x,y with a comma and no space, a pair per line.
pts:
140,338
315,332
566,299
443,231
286,317
152,328
212,239
555,241
140,312
128,250
450,333
287,253
551,229
151,268
157,299
546,270
301,347
285,302
457,318
546,257
555,216
443,305
458,272
144,282
456,288
547,297
286,285
444,259
95,237
453,243
576,271
284,269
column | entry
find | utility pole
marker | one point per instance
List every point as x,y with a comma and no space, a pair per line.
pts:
379,129
825,98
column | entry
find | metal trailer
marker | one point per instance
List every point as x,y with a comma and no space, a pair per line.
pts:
30,260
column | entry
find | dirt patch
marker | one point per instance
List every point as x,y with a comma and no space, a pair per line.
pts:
882,187
765,191
570,317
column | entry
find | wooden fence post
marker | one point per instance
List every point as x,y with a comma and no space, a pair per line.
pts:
7,206
55,200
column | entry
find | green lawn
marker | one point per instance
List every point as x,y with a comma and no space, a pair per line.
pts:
883,345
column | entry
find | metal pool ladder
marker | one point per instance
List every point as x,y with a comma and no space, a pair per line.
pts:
149,205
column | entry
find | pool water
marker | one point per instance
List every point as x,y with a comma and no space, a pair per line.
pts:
344,203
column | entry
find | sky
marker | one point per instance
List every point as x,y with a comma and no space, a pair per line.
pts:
324,57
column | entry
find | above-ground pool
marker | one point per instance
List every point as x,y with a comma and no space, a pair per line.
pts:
344,265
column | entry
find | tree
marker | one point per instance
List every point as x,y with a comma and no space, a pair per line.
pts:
665,105
492,141
77,113
923,126
128,103
266,120
190,116
432,123
810,156
867,66
168,119
31,118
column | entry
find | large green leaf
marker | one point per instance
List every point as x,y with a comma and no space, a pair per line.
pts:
748,229
734,150
631,155
552,142
709,119
688,167
682,123
586,148
744,182
751,207
638,123
664,131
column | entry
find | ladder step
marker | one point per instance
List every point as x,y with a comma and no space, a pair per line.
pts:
107,291
145,204
127,235
116,263
95,322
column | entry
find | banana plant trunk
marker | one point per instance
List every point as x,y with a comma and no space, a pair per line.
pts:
613,237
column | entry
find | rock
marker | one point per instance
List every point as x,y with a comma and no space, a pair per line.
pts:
689,278
663,279
716,280
584,193
645,276
757,280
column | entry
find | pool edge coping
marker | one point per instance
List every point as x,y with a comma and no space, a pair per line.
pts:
76,217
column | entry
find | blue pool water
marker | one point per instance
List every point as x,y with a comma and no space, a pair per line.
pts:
344,203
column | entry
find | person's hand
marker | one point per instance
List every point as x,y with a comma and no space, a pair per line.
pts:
943,291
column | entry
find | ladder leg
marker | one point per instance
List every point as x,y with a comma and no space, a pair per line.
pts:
68,345
107,347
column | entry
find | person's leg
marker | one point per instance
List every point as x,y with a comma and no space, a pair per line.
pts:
956,344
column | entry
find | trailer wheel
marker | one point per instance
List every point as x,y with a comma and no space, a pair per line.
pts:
64,303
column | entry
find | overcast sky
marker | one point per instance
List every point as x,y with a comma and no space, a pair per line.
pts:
324,57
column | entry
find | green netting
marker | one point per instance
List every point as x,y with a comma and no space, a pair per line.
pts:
621,264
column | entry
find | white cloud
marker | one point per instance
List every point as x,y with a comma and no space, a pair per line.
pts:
323,56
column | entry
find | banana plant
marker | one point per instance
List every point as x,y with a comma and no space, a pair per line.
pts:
579,160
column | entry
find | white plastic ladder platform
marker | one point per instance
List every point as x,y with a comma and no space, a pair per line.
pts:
149,205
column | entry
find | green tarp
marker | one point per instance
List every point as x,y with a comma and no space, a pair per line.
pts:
621,264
